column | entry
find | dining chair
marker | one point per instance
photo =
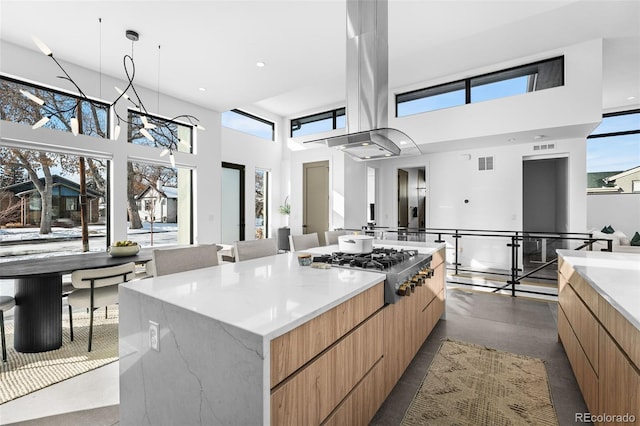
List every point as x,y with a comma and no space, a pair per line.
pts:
95,288
304,241
6,303
331,237
181,259
252,249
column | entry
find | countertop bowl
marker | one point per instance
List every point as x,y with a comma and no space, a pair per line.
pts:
120,251
304,259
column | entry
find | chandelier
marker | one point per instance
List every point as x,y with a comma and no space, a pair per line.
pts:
170,139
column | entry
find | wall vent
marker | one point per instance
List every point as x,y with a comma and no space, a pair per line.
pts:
544,147
485,163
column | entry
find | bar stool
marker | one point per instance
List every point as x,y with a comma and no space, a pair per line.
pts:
6,303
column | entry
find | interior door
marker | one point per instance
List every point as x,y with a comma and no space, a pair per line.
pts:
545,206
316,198
232,203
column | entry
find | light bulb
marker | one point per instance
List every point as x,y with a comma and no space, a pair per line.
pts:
172,160
31,96
164,152
43,47
199,127
124,95
146,123
74,126
40,122
116,133
146,134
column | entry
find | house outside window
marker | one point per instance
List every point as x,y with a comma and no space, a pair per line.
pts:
613,153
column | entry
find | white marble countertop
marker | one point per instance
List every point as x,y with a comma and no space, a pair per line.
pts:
267,296
615,276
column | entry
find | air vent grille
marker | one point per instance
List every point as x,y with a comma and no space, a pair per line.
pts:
485,163
544,147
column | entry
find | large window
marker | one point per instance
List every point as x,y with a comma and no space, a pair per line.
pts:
613,152
247,123
42,107
513,81
42,193
317,123
40,203
159,204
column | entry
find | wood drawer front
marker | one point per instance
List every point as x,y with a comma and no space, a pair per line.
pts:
395,350
309,396
292,350
619,382
625,334
562,281
584,324
438,258
362,404
585,375
585,291
564,268
436,309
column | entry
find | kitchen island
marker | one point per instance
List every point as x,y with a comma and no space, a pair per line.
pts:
264,341
599,327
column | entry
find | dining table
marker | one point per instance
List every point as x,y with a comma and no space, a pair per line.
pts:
38,293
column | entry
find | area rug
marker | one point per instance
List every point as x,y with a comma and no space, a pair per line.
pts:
24,373
473,385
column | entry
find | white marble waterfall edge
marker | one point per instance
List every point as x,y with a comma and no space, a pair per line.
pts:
182,380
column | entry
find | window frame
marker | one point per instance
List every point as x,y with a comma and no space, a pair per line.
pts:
38,86
256,118
319,116
620,133
487,78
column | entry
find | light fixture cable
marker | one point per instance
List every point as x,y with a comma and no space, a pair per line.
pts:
163,127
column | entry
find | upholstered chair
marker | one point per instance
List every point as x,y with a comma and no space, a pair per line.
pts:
251,249
304,241
96,288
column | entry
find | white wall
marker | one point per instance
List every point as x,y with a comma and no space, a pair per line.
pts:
494,196
257,153
624,217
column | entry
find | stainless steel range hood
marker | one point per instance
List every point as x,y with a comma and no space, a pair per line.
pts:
368,135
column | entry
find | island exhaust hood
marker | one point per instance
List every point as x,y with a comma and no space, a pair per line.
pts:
367,81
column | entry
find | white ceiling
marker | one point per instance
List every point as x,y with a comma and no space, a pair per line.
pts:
215,44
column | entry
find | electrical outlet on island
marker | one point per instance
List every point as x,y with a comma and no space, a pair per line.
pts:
154,336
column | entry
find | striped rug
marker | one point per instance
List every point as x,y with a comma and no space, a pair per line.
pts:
24,373
473,385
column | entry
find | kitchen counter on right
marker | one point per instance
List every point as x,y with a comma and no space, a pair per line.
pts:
599,328
614,276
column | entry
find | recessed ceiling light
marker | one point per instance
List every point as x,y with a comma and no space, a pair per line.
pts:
202,89
260,64
538,137
630,98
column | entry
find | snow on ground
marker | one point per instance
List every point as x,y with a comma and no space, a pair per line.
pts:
28,243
